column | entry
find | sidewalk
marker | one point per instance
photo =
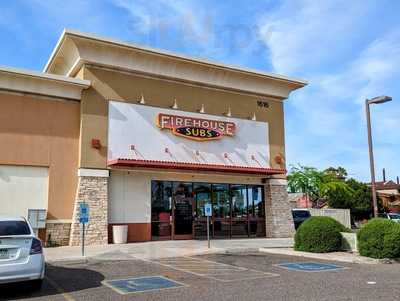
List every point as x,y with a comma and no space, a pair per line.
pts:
162,249
335,256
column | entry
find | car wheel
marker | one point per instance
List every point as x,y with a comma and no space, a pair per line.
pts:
37,284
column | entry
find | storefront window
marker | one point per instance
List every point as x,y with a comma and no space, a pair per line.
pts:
161,209
202,193
178,210
256,211
239,224
221,203
239,200
256,201
183,210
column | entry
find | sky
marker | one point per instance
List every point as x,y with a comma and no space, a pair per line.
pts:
347,50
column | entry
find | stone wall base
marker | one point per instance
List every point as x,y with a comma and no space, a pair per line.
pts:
278,214
57,234
94,191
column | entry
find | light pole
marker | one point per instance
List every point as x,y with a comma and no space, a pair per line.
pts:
375,100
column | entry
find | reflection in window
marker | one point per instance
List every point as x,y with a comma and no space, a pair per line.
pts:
256,204
239,200
202,193
161,209
161,200
221,204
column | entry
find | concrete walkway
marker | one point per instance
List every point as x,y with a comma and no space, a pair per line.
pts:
334,256
162,249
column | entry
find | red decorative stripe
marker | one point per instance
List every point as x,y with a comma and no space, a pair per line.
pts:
193,166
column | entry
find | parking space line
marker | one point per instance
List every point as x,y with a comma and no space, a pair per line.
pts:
213,269
248,278
59,289
247,269
210,269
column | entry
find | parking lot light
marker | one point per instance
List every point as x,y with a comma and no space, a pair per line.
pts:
375,100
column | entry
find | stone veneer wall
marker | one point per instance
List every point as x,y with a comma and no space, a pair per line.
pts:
57,234
278,215
94,191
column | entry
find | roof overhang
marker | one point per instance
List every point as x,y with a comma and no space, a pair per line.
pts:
134,163
38,83
74,49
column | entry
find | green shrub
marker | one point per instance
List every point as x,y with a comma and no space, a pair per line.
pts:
391,243
379,238
319,234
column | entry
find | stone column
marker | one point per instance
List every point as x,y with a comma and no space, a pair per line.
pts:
92,189
57,233
278,215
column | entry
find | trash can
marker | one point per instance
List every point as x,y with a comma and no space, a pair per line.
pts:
120,234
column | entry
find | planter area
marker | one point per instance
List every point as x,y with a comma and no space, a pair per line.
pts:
378,239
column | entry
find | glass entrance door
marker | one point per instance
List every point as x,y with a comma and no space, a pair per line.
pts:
221,211
161,210
202,196
240,223
256,211
183,210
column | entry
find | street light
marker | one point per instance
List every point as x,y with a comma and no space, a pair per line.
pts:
375,100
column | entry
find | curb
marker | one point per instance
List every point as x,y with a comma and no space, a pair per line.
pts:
70,261
339,258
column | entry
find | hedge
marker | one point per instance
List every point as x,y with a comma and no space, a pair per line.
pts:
379,238
319,234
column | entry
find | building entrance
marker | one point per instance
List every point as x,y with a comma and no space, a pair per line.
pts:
182,213
178,210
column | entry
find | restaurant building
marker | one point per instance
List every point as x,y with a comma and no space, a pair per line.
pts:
146,138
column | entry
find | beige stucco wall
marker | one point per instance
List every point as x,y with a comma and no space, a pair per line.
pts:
43,132
120,86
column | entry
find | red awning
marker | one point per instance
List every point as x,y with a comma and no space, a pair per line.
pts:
193,166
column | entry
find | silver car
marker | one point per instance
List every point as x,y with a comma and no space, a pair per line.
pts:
21,252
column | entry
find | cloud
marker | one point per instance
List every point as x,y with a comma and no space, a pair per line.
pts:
204,30
331,44
162,20
337,45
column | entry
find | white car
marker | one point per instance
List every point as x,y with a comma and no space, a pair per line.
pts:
21,252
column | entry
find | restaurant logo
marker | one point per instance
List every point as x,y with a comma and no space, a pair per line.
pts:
196,128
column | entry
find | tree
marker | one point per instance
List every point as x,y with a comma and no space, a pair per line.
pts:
339,173
332,186
360,205
319,185
306,180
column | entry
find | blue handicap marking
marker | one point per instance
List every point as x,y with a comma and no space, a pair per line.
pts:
83,212
207,209
310,266
141,284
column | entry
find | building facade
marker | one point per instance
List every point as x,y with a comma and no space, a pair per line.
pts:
146,138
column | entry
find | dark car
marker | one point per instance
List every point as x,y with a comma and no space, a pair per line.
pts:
392,216
299,216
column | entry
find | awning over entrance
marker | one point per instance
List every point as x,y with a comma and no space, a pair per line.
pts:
193,166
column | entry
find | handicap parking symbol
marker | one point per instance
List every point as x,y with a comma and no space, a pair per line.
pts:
310,266
142,284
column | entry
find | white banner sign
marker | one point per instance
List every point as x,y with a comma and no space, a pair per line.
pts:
145,133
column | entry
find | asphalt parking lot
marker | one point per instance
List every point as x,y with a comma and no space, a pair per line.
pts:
237,276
